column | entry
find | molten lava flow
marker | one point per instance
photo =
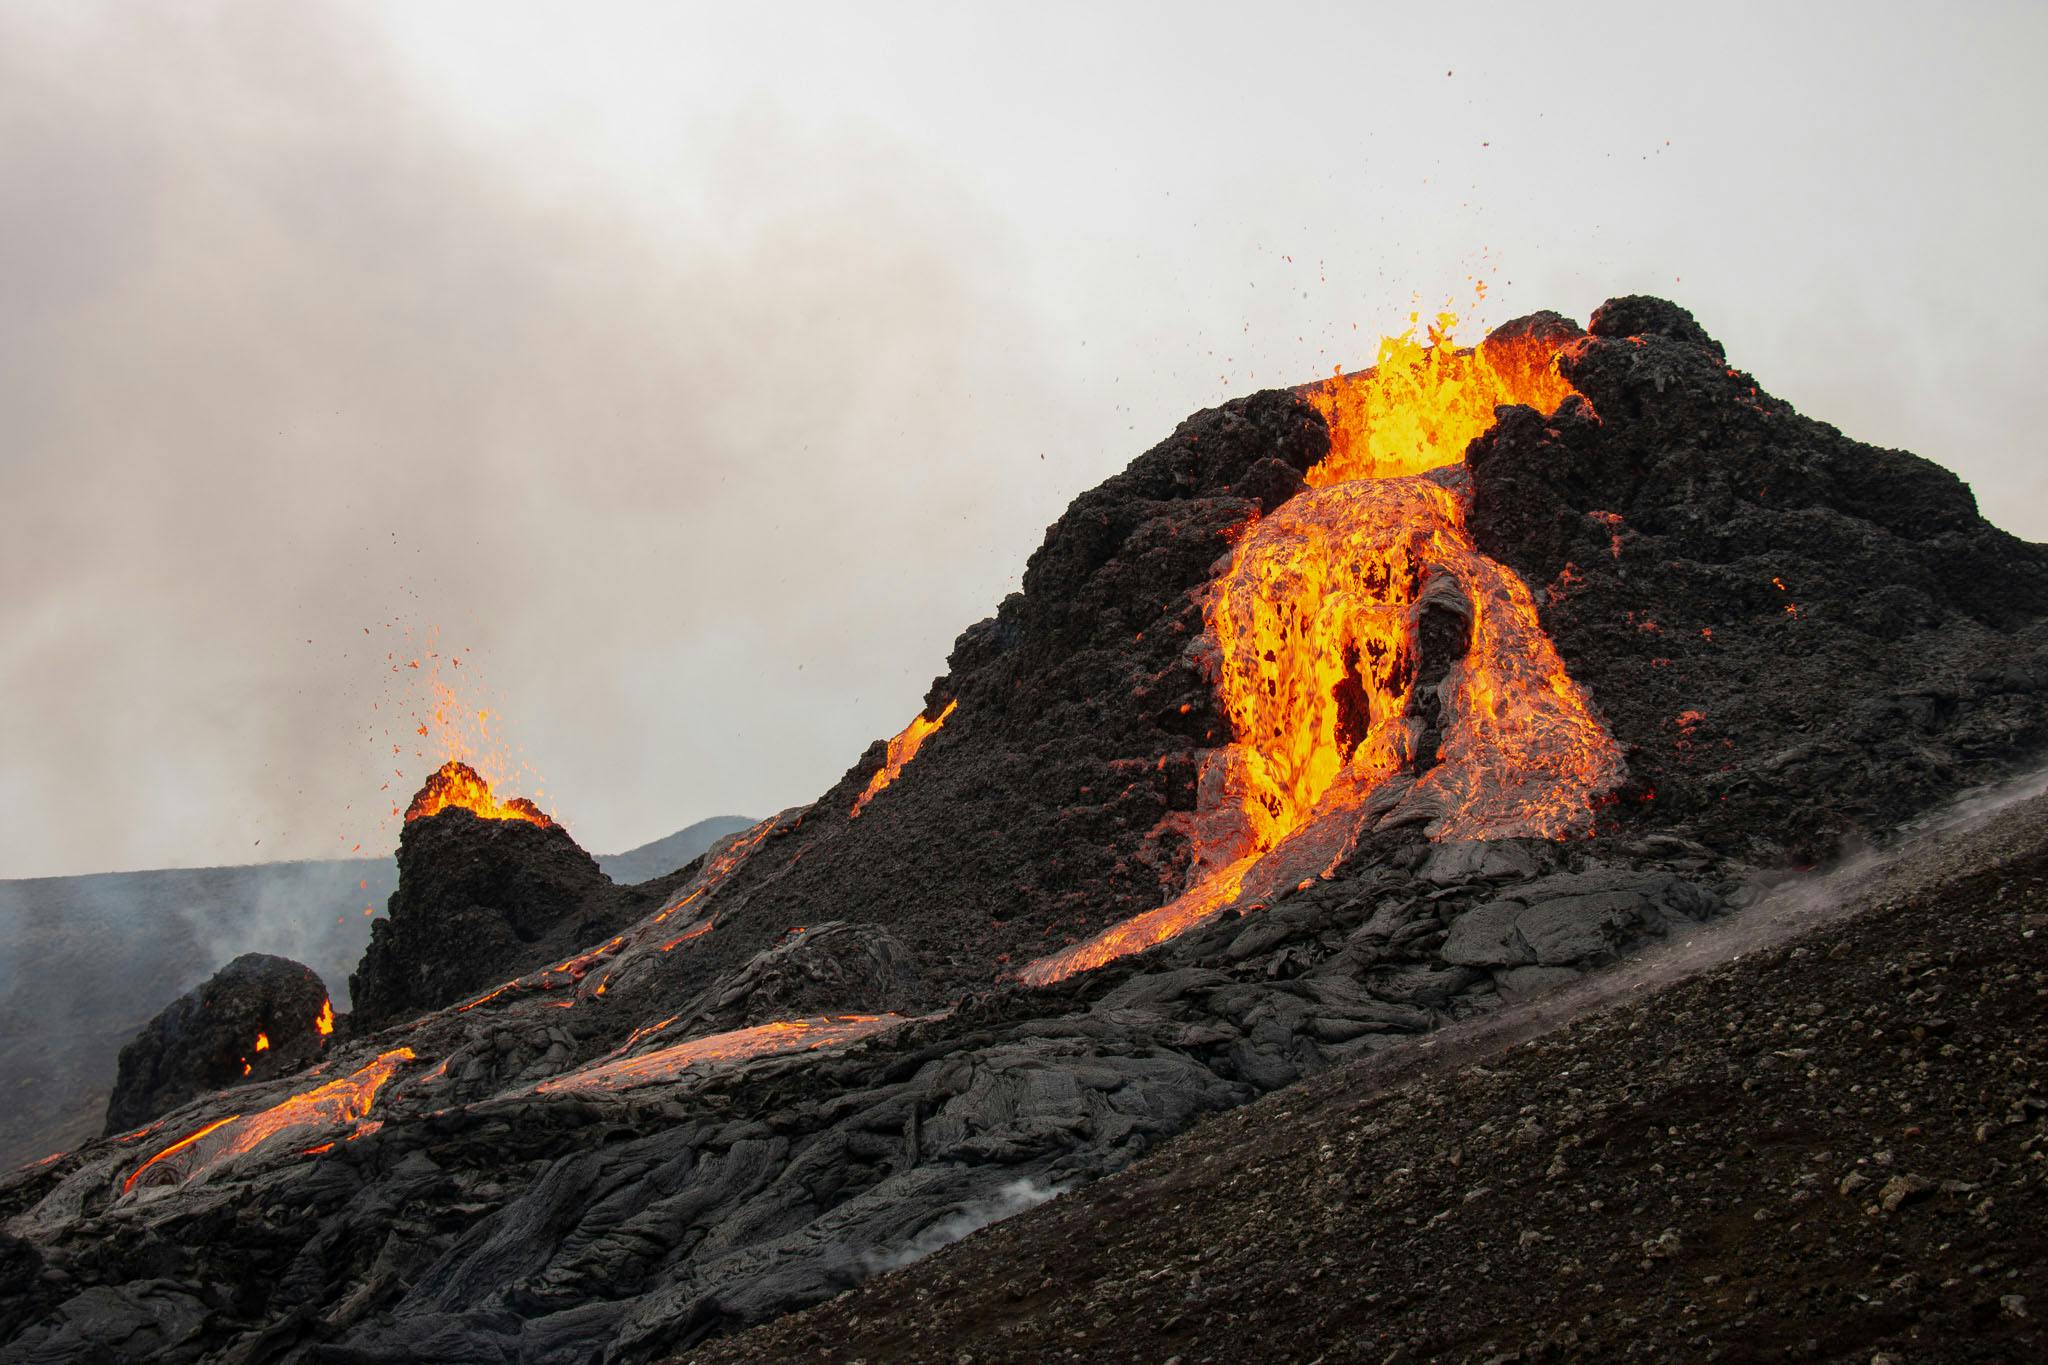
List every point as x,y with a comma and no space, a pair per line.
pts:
763,1040
1317,622
174,1149
325,1023
1140,932
340,1102
1423,402
902,749
1318,626
455,783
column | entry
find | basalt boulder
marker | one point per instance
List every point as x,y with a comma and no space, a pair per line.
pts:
259,1016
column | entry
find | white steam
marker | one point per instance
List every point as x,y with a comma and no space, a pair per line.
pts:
1013,1198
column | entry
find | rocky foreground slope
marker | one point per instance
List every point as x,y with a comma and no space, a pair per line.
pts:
1419,790
1833,1148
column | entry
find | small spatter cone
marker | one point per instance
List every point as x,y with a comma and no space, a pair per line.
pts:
455,783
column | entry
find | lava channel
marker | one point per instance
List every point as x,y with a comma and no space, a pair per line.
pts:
901,750
738,1045
1342,719
337,1104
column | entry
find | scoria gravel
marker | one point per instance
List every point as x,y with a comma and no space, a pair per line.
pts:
1831,1149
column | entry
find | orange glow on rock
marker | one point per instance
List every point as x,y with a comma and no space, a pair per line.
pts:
455,783
762,1040
174,1149
1144,931
263,1042
902,749
340,1102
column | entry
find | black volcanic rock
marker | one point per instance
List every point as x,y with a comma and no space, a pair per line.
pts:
480,901
206,1039
1799,639
569,1172
832,968
1040,811
1819,1151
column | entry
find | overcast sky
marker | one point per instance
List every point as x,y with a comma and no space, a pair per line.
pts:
702,371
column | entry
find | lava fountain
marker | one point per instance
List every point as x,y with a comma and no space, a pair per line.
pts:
1376,668
455,783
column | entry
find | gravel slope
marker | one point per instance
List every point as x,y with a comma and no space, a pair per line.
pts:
1834,1148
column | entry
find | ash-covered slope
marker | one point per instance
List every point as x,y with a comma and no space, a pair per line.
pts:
1826,1150
636,1146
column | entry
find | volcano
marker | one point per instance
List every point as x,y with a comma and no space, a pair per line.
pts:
1344,713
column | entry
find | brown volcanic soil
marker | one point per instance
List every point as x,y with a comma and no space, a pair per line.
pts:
1835,1148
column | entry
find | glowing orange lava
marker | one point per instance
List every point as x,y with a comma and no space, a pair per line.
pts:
902,749
340,1102
1423,401
1317,623
455,783
762,1040
325,1023
174,1149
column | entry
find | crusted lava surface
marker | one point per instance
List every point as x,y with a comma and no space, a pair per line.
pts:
576,1122
1828,1150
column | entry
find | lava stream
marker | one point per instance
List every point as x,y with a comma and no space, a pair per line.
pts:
762,1040
343,1102
902,749
1340,721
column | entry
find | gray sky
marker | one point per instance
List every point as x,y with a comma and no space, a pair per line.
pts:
703,370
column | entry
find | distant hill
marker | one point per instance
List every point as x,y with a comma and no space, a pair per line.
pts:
668,854
86,961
